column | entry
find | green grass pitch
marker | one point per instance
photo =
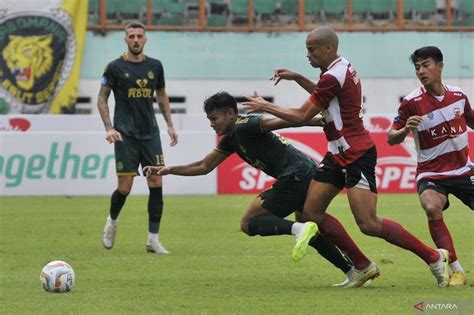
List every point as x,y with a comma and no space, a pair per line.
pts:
213,267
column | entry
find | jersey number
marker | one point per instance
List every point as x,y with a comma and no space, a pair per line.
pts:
160,159
281,138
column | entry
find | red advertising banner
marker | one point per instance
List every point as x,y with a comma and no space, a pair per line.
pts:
396,165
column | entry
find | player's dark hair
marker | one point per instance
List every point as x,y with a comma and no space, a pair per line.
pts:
220,100
425,53
134,24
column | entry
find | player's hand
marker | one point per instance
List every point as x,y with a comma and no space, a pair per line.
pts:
113,135
156,170
282,74
318,121
254,104
173,136
413,122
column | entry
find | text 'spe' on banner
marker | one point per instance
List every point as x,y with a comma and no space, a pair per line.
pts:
41,45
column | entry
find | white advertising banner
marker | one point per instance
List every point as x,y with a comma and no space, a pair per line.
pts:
36,158
188,122
82,163
32,123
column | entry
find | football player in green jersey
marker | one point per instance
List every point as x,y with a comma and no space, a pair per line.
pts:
251,137
134,78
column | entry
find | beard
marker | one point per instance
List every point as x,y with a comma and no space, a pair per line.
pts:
134,50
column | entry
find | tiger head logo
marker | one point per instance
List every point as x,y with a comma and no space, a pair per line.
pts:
28,58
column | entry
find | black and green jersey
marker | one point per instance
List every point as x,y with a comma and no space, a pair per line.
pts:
134,85
264,150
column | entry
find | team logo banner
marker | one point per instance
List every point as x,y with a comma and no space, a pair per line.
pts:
395,171
42,45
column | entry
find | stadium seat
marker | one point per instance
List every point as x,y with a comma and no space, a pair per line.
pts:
265,6
111,10
217,20
240,11
168,6
467,7
383,6
425,7
168,12
132,7
313,7
93,12
334,7
240,6
360,7
132,10
220,6
171,19
265,10
289,7
191,10
466,14
409,8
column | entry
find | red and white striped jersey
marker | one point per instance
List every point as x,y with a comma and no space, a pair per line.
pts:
338,94
441,138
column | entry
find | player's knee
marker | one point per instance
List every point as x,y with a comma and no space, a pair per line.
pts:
124,190
433,211
364,228
368,228
314,216
244,225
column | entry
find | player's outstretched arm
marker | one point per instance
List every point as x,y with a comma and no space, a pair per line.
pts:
302,115
285,74
164,103
270,124
202,167
395,136
112,135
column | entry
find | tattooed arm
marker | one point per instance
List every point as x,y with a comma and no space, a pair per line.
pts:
112,134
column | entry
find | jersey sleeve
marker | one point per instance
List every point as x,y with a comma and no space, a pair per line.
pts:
224,146
160,82
403,114
326,89
250,125
109,77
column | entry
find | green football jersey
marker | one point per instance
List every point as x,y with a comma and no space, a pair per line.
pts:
265,150
134,85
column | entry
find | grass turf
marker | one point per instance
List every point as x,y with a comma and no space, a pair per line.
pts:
213,267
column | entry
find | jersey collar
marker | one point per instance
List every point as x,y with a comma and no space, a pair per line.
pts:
125,57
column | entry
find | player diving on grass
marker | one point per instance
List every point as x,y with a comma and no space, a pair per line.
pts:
251,137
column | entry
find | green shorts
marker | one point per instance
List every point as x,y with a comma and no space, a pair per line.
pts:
131,152
287,195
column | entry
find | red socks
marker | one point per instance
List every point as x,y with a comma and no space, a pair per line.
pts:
333,230
442,238
394,233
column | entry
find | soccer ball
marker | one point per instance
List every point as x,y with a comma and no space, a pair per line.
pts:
57,276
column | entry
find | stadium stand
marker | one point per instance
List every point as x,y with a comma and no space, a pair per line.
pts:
281,15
